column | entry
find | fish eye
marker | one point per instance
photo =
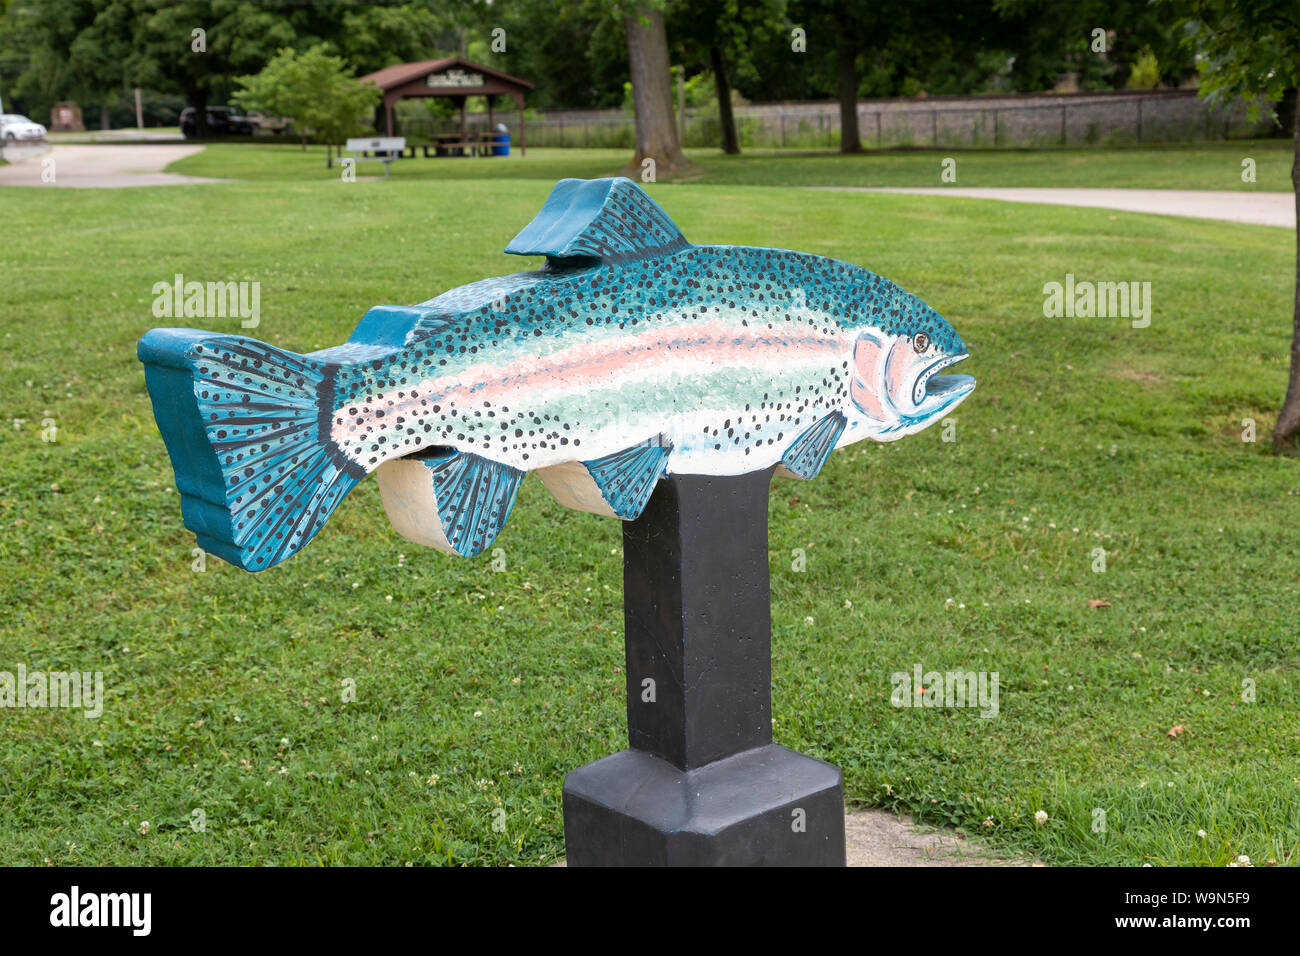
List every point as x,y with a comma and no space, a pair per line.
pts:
920,341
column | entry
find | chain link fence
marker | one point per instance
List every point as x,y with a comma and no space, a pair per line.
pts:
1101,119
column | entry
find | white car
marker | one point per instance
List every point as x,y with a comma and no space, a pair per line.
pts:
14,128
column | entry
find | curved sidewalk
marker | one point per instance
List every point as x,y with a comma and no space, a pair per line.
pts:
89,167
1255,208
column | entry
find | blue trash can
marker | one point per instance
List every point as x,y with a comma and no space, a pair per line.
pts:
501,141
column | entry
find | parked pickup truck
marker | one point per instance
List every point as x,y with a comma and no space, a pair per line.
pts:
222,121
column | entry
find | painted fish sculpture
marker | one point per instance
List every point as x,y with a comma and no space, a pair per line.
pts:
629,355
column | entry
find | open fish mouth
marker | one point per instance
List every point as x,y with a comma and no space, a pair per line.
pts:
933,392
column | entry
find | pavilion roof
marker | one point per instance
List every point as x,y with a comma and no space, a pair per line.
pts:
391,77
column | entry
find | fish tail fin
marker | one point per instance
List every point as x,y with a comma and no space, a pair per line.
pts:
247,427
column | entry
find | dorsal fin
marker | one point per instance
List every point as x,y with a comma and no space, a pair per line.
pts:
612,220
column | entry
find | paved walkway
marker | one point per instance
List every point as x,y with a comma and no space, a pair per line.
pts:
1256,208
86,167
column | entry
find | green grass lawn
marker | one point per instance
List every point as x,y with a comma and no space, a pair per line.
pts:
1202,166
478,689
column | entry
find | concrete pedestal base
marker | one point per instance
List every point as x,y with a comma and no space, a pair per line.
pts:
769,806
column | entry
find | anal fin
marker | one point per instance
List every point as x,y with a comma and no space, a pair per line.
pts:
457,502
617,485
808,453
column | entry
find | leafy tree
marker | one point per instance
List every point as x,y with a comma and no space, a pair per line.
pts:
1145,74
541,48
193,46
63,49
838,26
841,33
92,49
717,35
1049,38
1250,50
374,37
316,89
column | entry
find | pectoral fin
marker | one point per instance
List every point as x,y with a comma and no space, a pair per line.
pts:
808,453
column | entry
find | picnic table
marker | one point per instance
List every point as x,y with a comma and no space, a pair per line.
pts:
455,144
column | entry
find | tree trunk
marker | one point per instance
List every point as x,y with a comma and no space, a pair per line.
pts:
103,117
652,92
730,142
329,155
1288,420
199,100
1287,113
847,54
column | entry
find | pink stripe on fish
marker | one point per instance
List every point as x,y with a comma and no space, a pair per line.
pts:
596,363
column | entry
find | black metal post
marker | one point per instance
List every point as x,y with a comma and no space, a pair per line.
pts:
702,783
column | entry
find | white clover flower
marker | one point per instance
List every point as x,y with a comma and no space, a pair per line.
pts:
1201,834
1040,817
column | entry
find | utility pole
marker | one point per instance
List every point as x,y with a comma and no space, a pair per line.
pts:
139,111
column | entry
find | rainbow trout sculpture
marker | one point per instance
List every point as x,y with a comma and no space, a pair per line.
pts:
631,354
